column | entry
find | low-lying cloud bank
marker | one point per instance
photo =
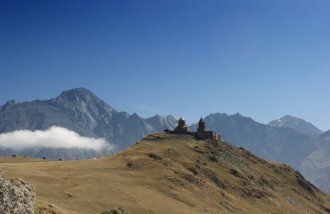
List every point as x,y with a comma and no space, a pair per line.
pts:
54,137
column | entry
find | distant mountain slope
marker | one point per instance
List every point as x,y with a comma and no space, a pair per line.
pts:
316,166
170,174
297,124
81,111
272,143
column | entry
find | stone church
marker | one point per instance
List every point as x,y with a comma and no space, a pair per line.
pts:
201,134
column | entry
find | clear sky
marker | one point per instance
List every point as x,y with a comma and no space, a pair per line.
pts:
261,58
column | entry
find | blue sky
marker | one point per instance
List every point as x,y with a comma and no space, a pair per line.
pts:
263,59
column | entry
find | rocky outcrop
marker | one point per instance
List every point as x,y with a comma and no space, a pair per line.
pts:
16,197
116,211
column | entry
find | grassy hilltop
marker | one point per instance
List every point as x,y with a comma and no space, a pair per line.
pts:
169,173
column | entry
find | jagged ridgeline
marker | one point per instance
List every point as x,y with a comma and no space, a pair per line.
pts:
81,111
171,172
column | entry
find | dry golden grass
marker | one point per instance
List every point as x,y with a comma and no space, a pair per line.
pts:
168,174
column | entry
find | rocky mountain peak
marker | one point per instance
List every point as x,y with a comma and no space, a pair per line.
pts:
326,135
135,116
157,116
8,105
162,118
82,99
77,95
295,123
161,123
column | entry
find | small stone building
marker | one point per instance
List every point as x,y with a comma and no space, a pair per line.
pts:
201,134
182,127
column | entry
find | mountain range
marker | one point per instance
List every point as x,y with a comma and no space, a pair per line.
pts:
289,140
270,142
81,111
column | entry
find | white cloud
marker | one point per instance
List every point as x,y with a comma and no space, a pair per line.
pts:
54,137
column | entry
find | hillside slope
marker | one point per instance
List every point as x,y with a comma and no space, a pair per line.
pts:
170,173
316,166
